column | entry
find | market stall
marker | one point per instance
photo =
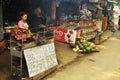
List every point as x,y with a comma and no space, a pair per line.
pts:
84,28
36,52
80,26
72,27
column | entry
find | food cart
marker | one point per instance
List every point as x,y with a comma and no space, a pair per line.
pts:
36,54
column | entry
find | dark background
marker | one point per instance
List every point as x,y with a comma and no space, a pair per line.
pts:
12,8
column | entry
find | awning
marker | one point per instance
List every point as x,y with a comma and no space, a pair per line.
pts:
98,6
112,1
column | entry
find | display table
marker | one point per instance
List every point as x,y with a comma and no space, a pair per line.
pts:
84,29
37,52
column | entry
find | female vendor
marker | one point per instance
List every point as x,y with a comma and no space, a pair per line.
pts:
22,32
22,27
22,22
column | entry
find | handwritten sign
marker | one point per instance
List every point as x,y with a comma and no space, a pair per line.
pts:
40,59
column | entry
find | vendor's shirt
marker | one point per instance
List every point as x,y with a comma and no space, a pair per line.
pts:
23,25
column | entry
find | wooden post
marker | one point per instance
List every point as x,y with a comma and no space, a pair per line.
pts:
104,23
53,12
1,20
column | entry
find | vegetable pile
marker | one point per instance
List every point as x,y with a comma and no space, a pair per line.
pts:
84,46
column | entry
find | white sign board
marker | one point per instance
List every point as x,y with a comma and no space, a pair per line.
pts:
40,59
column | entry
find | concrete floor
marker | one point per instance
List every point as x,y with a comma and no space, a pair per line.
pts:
104,65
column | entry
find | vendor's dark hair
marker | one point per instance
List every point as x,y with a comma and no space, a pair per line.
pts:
22,14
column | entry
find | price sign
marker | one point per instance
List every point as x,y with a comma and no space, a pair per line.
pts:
40,59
